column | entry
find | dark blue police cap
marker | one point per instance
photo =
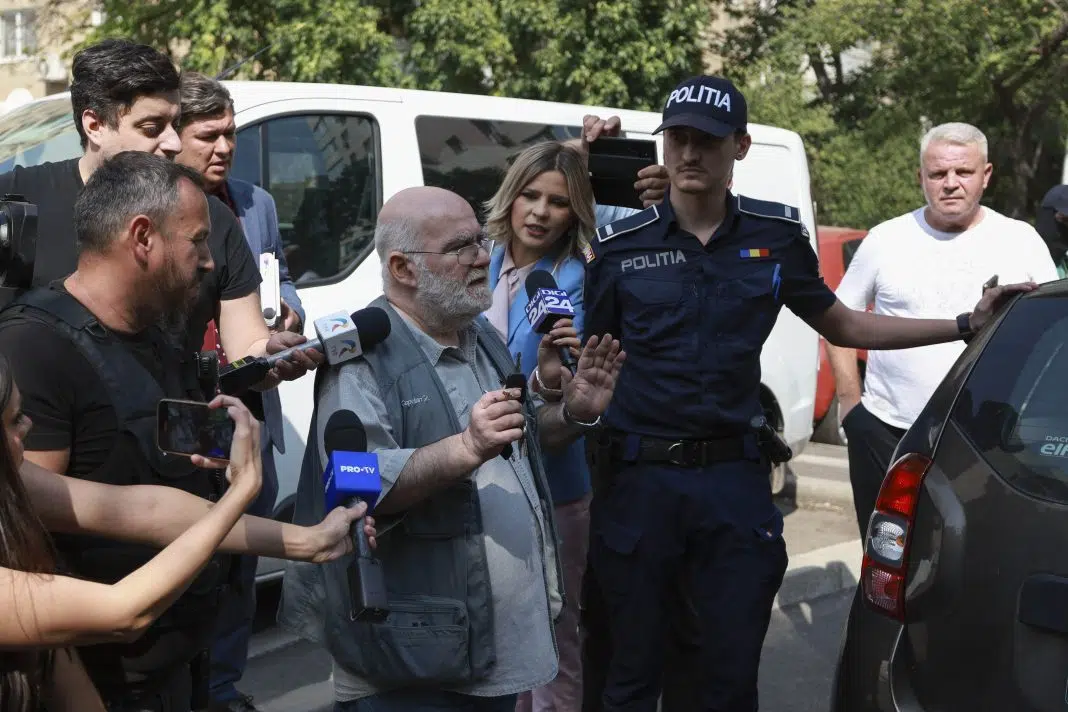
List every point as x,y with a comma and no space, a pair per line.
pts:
710,104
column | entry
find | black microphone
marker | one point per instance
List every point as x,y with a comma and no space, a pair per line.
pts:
341,337
547,305
519,381
351,476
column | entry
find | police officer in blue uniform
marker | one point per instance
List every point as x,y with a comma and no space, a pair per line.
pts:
693,287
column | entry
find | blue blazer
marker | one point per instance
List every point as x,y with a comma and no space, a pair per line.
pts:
259,220
568,475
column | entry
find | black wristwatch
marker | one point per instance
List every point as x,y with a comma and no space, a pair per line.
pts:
964,326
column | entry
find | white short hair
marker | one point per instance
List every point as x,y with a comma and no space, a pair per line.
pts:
397,234
957,133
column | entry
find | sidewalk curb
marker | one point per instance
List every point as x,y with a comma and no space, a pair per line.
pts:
270,642
821,572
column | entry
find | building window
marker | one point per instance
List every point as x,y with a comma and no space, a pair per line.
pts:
18,39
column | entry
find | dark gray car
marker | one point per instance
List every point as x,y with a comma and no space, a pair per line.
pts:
963,601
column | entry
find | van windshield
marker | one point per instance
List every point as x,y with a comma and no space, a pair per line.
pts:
38,133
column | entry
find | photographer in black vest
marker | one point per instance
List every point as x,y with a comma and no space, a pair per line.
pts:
92,355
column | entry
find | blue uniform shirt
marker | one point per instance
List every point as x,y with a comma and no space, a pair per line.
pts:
693,318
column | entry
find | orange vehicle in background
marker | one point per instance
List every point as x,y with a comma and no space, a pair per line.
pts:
837,246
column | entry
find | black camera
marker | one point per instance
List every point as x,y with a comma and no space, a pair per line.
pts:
18,246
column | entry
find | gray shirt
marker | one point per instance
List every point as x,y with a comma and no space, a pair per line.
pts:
512,520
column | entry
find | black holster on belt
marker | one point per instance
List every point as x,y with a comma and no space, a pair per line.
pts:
601,459
769,441
200,675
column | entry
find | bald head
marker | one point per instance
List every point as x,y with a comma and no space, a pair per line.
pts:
422,218
424,204
434,259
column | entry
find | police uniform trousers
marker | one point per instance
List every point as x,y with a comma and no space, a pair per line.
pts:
715,529
681,680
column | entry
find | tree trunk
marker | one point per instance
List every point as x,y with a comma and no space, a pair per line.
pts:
1016,203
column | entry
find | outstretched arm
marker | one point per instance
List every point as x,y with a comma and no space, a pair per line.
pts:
52,611
157,515
851,328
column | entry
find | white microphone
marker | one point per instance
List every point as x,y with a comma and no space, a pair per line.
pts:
270,291
341,337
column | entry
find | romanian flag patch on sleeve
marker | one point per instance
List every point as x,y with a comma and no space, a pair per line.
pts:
587,252
755,252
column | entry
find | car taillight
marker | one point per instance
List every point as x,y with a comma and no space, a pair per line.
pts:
889,530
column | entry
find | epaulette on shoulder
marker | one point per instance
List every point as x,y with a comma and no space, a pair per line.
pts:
628,224
772,210
768,209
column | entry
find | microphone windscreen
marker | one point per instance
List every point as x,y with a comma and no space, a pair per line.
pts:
539,279
372,326
345,432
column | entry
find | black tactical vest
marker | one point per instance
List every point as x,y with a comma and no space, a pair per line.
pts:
135,458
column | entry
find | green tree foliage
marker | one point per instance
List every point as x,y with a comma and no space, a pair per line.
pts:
998,64
330,40
624,53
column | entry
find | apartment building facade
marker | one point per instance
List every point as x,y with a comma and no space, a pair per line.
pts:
33,45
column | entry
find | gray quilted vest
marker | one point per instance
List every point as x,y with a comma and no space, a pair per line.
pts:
440,629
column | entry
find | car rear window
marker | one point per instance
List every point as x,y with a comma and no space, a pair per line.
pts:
1014,406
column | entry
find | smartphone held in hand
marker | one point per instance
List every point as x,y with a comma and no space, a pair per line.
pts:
190,428
614,164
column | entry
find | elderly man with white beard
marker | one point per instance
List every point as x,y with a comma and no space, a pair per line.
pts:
466,538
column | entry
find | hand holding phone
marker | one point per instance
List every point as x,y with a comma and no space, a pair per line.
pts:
221,434
189,428
614,166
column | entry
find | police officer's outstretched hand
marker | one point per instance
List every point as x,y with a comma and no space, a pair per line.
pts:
588,393
993,299
244,470
496,420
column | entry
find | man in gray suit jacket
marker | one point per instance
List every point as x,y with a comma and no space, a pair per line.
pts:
207,131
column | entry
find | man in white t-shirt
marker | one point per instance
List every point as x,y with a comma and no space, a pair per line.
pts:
924,264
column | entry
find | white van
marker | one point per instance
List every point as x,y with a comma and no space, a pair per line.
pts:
331,154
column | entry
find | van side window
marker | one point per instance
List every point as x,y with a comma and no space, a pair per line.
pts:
323,172
1012,407
38,133
471,156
